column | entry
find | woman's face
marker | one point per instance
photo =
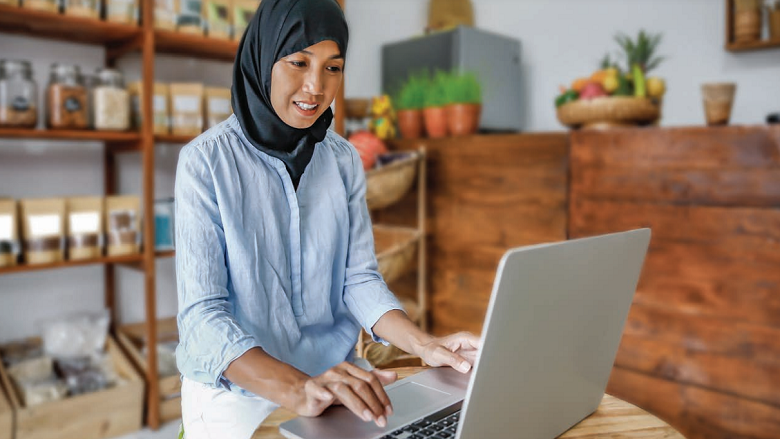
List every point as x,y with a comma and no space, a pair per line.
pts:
304,84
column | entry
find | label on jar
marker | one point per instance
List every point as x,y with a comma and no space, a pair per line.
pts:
186,104
84,222
44,225
72,104
219,106
20,103
6,227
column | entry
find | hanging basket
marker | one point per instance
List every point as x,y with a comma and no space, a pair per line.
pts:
395,250
388,184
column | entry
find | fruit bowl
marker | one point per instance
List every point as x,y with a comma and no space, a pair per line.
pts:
609,111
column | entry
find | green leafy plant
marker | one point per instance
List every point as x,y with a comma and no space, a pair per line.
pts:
412,94
463,88
436,93
641,52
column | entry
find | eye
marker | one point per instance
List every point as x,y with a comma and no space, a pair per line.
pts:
298,63
334,69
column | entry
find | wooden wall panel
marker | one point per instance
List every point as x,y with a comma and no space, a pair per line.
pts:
701,347
486,194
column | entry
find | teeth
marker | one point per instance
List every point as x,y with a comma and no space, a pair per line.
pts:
306,107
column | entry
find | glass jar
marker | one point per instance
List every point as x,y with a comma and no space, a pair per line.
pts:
18,94
90,81
66,99
111,101
82,8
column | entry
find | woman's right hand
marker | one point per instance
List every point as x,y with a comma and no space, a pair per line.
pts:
360,391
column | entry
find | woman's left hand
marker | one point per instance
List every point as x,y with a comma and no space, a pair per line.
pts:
458,351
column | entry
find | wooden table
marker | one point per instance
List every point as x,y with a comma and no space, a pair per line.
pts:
614,418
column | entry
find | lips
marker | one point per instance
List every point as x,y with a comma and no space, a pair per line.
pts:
306,108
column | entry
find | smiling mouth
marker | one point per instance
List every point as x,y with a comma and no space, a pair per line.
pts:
306,107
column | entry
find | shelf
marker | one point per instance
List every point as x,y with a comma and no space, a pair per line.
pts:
172,138
127,259
103,136
64,27
757,45
165,253
176,43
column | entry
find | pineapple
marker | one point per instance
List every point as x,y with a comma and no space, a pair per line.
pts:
640,57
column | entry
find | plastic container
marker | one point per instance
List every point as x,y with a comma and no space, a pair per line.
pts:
18,95
163,224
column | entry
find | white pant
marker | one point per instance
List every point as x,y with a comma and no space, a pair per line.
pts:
209,413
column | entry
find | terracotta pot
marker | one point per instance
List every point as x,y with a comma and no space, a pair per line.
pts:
747,26
410,122
463,119
435,122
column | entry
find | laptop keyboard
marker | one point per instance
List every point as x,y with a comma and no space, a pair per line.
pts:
440,425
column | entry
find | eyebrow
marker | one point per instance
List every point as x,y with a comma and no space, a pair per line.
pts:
336,56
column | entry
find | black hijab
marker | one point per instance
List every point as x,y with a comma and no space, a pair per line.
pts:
280,28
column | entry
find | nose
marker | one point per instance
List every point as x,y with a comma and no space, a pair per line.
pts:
313,83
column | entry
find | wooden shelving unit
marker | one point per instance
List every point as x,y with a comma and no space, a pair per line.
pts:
119,40
733,46
24,268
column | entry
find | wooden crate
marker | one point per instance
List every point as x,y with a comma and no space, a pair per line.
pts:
6,415
104,414
132,338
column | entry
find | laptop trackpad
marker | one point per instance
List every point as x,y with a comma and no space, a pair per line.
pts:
410,398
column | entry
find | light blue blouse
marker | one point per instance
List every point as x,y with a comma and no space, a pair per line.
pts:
259,264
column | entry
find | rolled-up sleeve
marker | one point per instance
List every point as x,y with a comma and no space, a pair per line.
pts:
210,338
365,292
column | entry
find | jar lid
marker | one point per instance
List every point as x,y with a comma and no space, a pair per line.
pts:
110,77
9,66
65,73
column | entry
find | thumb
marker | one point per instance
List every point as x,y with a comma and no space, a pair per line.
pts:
456,361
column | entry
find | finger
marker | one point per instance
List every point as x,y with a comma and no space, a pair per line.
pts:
452,359
366,392
317,391
462,340
351,401
376,385
386,377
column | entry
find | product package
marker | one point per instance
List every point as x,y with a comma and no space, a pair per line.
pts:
163,224
9,233
186,108
85,227
217,103
122,11
42,5
243,11
43,230
83,8
123,221
189,19
165,14
159,107
217,16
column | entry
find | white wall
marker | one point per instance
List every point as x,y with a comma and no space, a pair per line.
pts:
561,39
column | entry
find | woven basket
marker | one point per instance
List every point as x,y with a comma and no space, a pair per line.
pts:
395,250
388,184
609,111
356,108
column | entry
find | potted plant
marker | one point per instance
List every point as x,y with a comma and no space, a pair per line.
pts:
464,97
434,115
410,102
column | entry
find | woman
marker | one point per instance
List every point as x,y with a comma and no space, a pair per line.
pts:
275,262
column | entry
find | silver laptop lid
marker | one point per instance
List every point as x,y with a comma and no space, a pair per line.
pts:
552,331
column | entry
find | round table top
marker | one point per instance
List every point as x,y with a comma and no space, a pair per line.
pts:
613,418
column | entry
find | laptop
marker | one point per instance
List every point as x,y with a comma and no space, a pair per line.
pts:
549,340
